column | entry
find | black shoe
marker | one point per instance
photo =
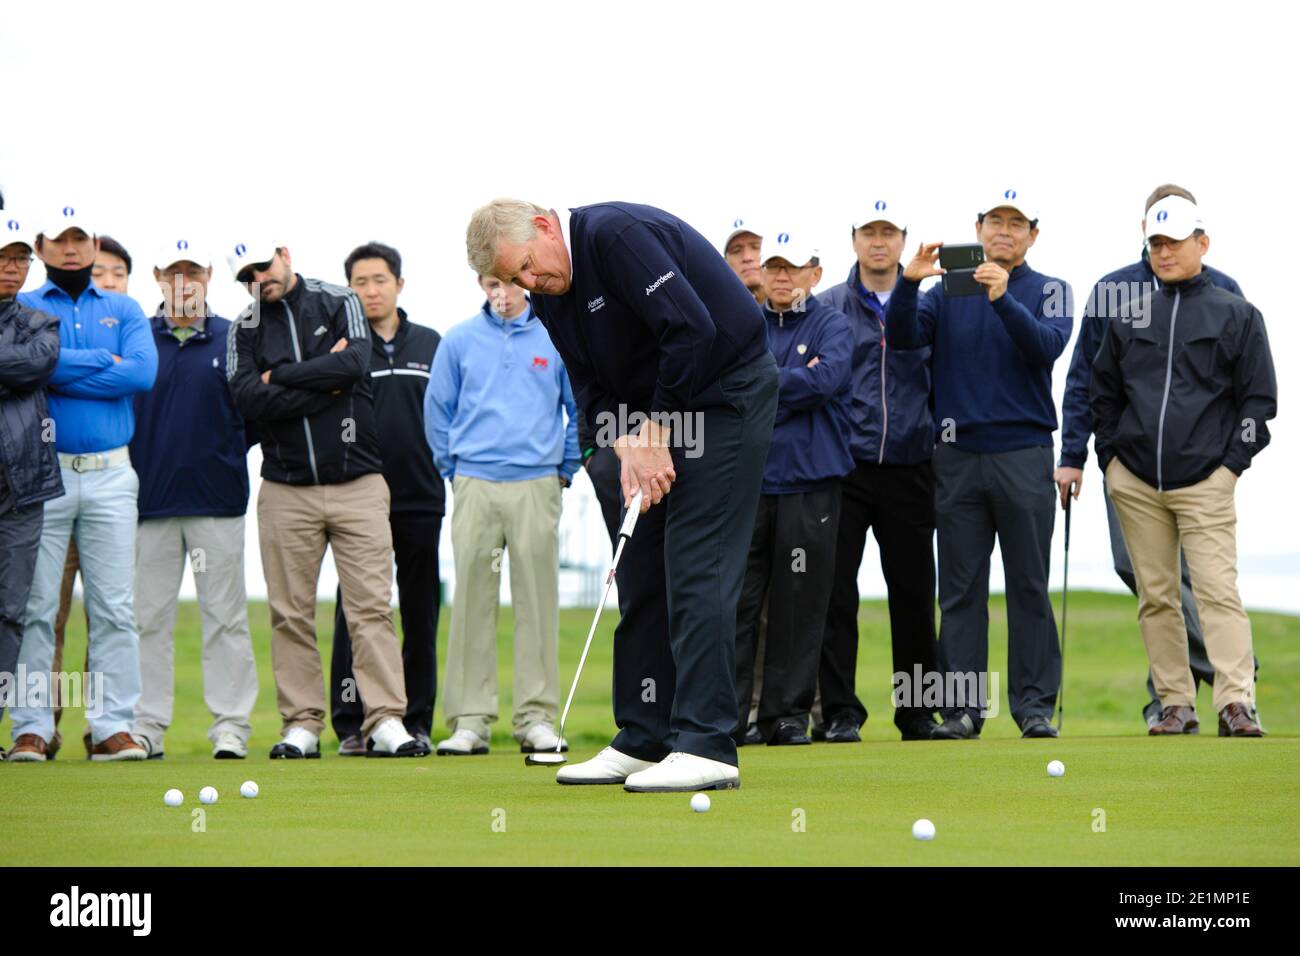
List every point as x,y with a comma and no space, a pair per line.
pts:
922,728
960,727
1151,714
789,733
752,736
843,730
1038,726
818,733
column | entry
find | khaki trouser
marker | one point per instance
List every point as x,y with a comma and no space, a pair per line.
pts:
522,517
215,548
1202,518
295,522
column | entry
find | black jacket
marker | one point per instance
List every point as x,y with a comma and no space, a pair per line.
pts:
315,419
1184,386
399,381
29,350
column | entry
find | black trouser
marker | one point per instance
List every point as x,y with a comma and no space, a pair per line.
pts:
20,541
680,576
896,502
1202,669
1010,496
604,469
419,594
791,563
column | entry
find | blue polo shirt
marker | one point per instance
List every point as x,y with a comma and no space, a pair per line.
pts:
90,394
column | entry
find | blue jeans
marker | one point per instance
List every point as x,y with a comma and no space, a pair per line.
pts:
100,509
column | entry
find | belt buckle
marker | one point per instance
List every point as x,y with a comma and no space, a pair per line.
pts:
76,463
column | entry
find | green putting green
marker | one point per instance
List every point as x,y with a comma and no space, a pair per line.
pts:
1124,799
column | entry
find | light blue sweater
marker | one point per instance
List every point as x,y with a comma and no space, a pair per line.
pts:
496,403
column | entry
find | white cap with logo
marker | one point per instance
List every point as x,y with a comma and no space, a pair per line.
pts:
241,255
69,217
1012,199
883,210
794,247
1174,218
739,227
180,250
14,228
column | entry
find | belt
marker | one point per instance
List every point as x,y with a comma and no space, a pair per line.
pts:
96,461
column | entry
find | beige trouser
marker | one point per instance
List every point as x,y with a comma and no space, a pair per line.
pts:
490,517
1202,518
295,522
215,549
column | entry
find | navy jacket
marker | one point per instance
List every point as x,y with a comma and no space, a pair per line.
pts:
1109,298
399,375
992,360
29,352
810,440
892,420
653,316
190,444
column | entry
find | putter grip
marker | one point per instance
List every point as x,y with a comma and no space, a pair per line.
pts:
629,519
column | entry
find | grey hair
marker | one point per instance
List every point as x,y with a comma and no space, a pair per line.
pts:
501,220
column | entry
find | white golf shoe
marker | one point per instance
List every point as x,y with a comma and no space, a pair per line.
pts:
298,743
228,746
608,766
680,772
462,743
391,739
542,737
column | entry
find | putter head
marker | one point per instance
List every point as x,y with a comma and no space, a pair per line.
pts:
547,758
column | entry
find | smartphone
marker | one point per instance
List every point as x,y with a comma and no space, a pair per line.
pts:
959,263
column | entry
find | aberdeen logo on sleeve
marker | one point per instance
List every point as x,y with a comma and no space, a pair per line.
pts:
660,281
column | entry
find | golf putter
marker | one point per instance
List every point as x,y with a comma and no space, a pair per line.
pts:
550,758
1065,597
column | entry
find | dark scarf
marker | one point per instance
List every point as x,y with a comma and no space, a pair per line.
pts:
72,281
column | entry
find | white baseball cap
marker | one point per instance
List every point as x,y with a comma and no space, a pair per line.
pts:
241,255
1174,218
883,210
739,227
180,250
14,228
60,221
794,247
1012,199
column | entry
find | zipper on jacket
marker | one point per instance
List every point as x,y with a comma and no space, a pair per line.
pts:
306,423
884,403
1164,403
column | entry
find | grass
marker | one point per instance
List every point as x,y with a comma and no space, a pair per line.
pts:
1190,801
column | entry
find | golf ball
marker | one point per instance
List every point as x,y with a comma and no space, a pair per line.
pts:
923,829
700,802
173,798
208,795
248,789
1056,769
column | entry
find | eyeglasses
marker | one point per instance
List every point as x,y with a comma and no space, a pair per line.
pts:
18,260
785,267
246,273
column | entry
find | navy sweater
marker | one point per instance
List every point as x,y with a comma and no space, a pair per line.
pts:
810,440
992,361
190,444
653,316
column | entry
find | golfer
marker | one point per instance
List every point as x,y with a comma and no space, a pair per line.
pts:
669,362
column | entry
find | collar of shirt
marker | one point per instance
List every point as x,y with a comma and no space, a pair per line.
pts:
563,215
49,288
197,325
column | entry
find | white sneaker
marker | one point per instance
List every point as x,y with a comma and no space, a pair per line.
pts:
229,747
462,743
680,772
298,742
391,739
541,738
608,766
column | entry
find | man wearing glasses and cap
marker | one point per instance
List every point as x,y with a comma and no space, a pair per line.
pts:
1182,391
297,364
189,450
992,360
890,490
107,357
29,469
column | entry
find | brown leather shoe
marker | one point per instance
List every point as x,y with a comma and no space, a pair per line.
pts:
1176,720
353,745
1236,720
120,746
28,748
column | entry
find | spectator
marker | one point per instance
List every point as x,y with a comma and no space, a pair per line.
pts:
112,269
190,450
1171,467
495,418
296,365
743,250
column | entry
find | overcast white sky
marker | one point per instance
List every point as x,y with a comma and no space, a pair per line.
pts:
329,124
